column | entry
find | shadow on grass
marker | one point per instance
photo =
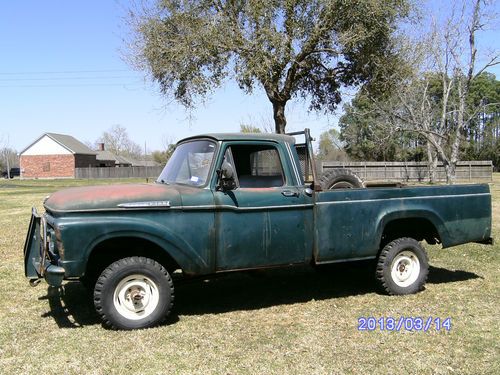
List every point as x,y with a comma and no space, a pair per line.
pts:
439,275
71,306
260,289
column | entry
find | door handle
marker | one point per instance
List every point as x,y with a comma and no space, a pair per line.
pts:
289,193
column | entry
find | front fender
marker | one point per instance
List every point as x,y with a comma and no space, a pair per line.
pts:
78,247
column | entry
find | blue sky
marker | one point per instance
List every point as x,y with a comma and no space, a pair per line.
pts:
61,71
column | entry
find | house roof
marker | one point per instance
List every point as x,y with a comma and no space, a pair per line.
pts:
145,163
123,160
105,155
135,162
67,141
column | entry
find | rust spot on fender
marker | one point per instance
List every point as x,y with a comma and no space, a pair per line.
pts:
59,243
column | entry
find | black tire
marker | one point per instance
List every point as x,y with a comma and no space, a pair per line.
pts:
340,178
402,267
122,289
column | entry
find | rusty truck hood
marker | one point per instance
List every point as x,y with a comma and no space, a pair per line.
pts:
114,197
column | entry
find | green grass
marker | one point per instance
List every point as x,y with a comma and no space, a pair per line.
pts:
285,322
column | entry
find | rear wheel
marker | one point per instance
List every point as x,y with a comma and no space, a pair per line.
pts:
402,267
340,178
134,293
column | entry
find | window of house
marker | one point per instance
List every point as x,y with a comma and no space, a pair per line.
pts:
46,166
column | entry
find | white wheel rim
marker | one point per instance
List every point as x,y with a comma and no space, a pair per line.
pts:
136,297
405,268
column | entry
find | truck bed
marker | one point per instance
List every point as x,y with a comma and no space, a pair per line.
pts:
350,223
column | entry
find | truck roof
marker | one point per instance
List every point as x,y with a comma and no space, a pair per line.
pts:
244,137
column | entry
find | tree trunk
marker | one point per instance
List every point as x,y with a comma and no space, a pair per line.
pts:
279,117
432,161
450,171
455,147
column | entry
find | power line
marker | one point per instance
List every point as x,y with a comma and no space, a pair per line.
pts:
66,72
62,78
73,85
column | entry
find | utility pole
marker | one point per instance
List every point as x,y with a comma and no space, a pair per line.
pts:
6,154
146,162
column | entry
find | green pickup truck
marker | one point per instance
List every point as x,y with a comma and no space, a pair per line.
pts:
230,202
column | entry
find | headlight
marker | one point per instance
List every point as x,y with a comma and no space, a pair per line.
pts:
51,240
51,245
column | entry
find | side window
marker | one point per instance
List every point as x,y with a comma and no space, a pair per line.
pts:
265,163
257,166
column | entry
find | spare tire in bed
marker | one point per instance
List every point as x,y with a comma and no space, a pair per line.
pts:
340,178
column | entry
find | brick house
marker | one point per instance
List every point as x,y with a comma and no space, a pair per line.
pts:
55,156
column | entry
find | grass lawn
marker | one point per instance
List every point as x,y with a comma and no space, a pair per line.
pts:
298,321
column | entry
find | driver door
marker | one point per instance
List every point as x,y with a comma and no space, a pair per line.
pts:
266,219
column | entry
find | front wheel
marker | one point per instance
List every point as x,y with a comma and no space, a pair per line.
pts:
134,293
402,267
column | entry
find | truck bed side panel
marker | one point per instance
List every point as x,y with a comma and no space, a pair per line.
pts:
350,223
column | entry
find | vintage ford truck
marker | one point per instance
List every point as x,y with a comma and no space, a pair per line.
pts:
227,202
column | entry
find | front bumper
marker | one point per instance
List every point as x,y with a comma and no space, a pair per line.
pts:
39,261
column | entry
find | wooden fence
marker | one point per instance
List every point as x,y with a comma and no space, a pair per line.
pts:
368,171
118,172
413,171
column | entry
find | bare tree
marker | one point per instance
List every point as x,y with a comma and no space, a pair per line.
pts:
248,128
163,155
8,155
456,59
117,140
257,124
465,72
439,113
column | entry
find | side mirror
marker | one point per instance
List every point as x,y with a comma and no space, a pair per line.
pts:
226,177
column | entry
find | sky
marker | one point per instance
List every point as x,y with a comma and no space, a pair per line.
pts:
62,71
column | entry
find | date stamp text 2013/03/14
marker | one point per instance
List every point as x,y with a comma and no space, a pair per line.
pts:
404,323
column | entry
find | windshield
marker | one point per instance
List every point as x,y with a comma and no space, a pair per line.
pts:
189,164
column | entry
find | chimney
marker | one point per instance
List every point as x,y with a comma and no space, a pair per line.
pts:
101,146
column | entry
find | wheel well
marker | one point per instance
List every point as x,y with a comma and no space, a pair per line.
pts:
114,249
417,228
